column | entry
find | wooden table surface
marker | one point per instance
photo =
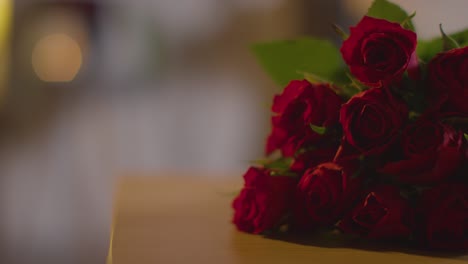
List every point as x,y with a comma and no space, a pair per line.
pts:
187,220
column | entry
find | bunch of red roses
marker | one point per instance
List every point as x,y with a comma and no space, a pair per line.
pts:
387,162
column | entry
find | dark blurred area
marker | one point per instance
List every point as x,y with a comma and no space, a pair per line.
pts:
94,90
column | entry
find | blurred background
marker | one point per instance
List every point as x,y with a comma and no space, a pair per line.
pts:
94,90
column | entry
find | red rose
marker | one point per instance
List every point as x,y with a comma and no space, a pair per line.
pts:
378,51
263,201
382,214
431,152
371,120
445,213
449,80
300,105
322,195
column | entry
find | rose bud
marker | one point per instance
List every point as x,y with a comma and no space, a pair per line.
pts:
323,194
382,214
371,120
448,81
263,201
378,51
300,105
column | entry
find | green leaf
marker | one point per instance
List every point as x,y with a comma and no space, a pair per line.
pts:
278,167
427,49
312,78
466,136
282,163
358,86
406,23
318,129
340,32
447,41
389,11
412,115
288,60
348,87
283,173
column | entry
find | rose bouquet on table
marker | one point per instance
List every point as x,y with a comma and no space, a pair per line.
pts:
375,146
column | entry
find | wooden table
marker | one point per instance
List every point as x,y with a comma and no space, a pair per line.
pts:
187,220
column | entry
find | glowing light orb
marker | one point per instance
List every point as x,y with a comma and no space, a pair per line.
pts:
57,58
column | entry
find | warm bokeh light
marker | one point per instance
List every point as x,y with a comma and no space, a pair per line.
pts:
6,10
5,18
57,58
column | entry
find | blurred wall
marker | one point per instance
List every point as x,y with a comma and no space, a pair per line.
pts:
167,87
